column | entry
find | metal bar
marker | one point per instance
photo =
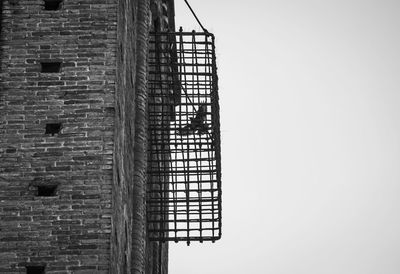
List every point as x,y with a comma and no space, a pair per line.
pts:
183,189
177,33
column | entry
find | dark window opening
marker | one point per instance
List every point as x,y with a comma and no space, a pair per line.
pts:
52,4
46,191
51,67
53,128
13,2
35,269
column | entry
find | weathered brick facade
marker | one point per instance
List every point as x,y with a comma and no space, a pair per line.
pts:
78,130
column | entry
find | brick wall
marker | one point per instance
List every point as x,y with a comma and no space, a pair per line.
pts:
80,132
70,231
128,235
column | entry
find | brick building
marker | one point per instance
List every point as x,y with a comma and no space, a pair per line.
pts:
74,147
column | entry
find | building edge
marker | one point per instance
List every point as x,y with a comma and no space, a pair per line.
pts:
130,149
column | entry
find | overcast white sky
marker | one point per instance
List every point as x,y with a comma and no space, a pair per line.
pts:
310,109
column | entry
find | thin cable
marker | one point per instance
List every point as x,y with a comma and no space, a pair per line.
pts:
195,16
181,47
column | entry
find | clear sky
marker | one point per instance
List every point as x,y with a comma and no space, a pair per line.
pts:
310,110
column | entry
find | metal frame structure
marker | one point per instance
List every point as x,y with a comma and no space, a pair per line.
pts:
184,163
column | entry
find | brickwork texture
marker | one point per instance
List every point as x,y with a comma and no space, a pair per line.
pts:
73,128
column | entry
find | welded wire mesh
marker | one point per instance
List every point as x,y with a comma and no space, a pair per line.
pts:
184,186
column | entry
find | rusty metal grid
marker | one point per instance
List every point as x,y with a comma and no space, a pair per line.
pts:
184,185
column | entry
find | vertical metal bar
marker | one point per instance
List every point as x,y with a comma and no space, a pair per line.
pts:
216,123
173,175
184,162
209,150
197,157
159,258
164,138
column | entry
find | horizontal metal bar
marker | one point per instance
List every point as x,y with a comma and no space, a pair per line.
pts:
185,239
182,190
179,33
186,73
190,200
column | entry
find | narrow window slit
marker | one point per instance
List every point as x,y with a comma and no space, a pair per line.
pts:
35,269
52,4
53,128
46,191
50,67
13,2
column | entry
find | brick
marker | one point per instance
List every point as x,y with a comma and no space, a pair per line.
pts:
40,36
71,232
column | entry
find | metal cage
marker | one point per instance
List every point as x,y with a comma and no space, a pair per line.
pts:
184,185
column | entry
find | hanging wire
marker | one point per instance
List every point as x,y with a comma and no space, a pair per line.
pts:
181,44
195,16
181,30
